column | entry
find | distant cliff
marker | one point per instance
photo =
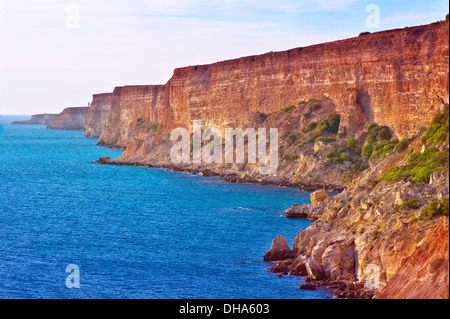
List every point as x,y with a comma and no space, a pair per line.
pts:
97,115
71,118
38,119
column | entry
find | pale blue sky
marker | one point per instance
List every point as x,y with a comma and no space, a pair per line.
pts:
49,59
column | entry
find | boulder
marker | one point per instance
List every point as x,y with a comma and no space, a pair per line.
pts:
279,250
318,196
308,287
314,270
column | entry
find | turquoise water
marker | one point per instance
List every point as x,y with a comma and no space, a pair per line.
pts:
133,232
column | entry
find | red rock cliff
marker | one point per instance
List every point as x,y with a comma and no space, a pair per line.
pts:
130,107
72,118
397,78
96,118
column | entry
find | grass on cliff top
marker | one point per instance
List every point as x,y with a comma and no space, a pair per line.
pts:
421,165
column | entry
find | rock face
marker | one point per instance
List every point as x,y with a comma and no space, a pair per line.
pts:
369,242
130,107
97,115
397,78
279,250
72,118
318,196
38,119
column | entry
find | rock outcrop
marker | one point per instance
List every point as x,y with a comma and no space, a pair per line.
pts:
37,119
97,115
130,107
72,118
378,238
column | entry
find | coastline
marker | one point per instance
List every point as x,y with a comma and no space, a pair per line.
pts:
228,177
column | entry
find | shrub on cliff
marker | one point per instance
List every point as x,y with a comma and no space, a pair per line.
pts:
438,131
420,166
330,124
378,142
435,209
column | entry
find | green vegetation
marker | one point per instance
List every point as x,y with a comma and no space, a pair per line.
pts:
293,137
306,116
310,127
421,165
325,139
288,108
149,127
316,107
378,142
402,145
413,203
436,209
338,156
291,157
438,131
330,124
352,144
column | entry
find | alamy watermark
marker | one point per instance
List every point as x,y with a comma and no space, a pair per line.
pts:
220,146
373,19
73,17
73,279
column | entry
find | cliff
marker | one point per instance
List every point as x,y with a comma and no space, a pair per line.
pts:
71,118
349,113
387,235
97,115
38,119
130,107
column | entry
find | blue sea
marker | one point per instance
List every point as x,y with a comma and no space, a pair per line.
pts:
132,232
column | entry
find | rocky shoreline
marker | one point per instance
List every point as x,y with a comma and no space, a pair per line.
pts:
228,177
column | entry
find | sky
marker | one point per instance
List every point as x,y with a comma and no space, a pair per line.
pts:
56,53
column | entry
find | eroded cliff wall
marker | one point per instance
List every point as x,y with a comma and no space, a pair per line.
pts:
97,115
397,78
130,107
71,118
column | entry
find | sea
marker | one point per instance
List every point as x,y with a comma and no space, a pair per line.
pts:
74,229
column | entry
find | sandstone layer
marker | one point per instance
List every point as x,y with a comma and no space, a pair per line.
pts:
71,118
38,119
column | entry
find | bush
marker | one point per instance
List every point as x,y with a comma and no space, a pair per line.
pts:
435,209
413,203
288,108
352,144
306,116
316,107
310,127
367,151
330,124
402,145
420,166
325,139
